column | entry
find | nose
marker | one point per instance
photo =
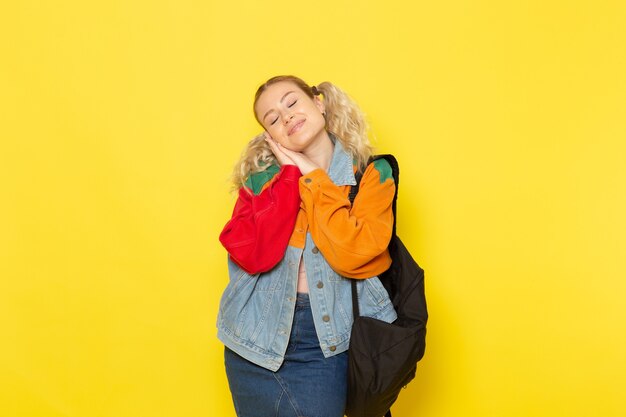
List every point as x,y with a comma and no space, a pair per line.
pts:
288,118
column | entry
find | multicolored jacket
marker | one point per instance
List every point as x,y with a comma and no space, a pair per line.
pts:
281,217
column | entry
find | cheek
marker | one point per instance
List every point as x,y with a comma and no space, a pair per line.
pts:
318,122
276,132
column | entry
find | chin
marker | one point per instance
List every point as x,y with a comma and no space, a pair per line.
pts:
297,145
303,141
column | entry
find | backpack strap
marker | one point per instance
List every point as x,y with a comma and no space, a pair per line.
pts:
395,169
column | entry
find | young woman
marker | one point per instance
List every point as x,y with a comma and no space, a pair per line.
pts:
295,242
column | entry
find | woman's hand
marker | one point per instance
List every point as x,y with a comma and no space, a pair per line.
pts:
282,158
286,156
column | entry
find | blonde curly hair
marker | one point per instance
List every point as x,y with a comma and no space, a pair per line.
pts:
344,119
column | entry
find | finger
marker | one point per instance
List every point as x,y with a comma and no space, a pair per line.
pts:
284,150
270,141
302,161
282,158
277,146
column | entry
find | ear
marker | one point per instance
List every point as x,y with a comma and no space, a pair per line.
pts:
319,103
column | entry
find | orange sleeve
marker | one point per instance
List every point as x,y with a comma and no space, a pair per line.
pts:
353,239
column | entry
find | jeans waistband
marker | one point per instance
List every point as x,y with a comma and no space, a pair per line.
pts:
302,300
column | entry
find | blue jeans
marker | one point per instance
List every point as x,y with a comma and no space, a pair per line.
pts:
306,385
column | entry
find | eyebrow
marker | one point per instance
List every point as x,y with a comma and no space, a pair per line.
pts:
281,100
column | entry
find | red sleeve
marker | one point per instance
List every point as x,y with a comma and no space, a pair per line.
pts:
258,232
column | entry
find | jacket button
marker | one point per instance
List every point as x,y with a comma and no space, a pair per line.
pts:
315,249
320,284
308,180
326,318
332,348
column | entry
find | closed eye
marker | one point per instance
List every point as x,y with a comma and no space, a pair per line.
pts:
289,105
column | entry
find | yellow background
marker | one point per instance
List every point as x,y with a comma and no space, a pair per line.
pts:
120,122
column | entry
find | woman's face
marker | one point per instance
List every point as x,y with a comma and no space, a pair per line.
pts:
290,116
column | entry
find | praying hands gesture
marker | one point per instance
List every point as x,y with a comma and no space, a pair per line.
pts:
289,157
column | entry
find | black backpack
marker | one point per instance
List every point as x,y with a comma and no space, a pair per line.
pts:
383,356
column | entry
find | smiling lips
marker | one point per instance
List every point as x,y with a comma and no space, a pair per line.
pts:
295,128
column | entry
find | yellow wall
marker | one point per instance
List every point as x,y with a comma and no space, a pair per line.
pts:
119,124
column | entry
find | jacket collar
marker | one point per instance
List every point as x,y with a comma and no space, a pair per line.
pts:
341,170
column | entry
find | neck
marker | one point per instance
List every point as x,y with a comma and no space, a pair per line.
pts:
321,151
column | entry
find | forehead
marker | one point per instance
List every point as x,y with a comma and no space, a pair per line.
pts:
273,94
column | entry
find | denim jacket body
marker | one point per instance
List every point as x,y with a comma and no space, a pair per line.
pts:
256,311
